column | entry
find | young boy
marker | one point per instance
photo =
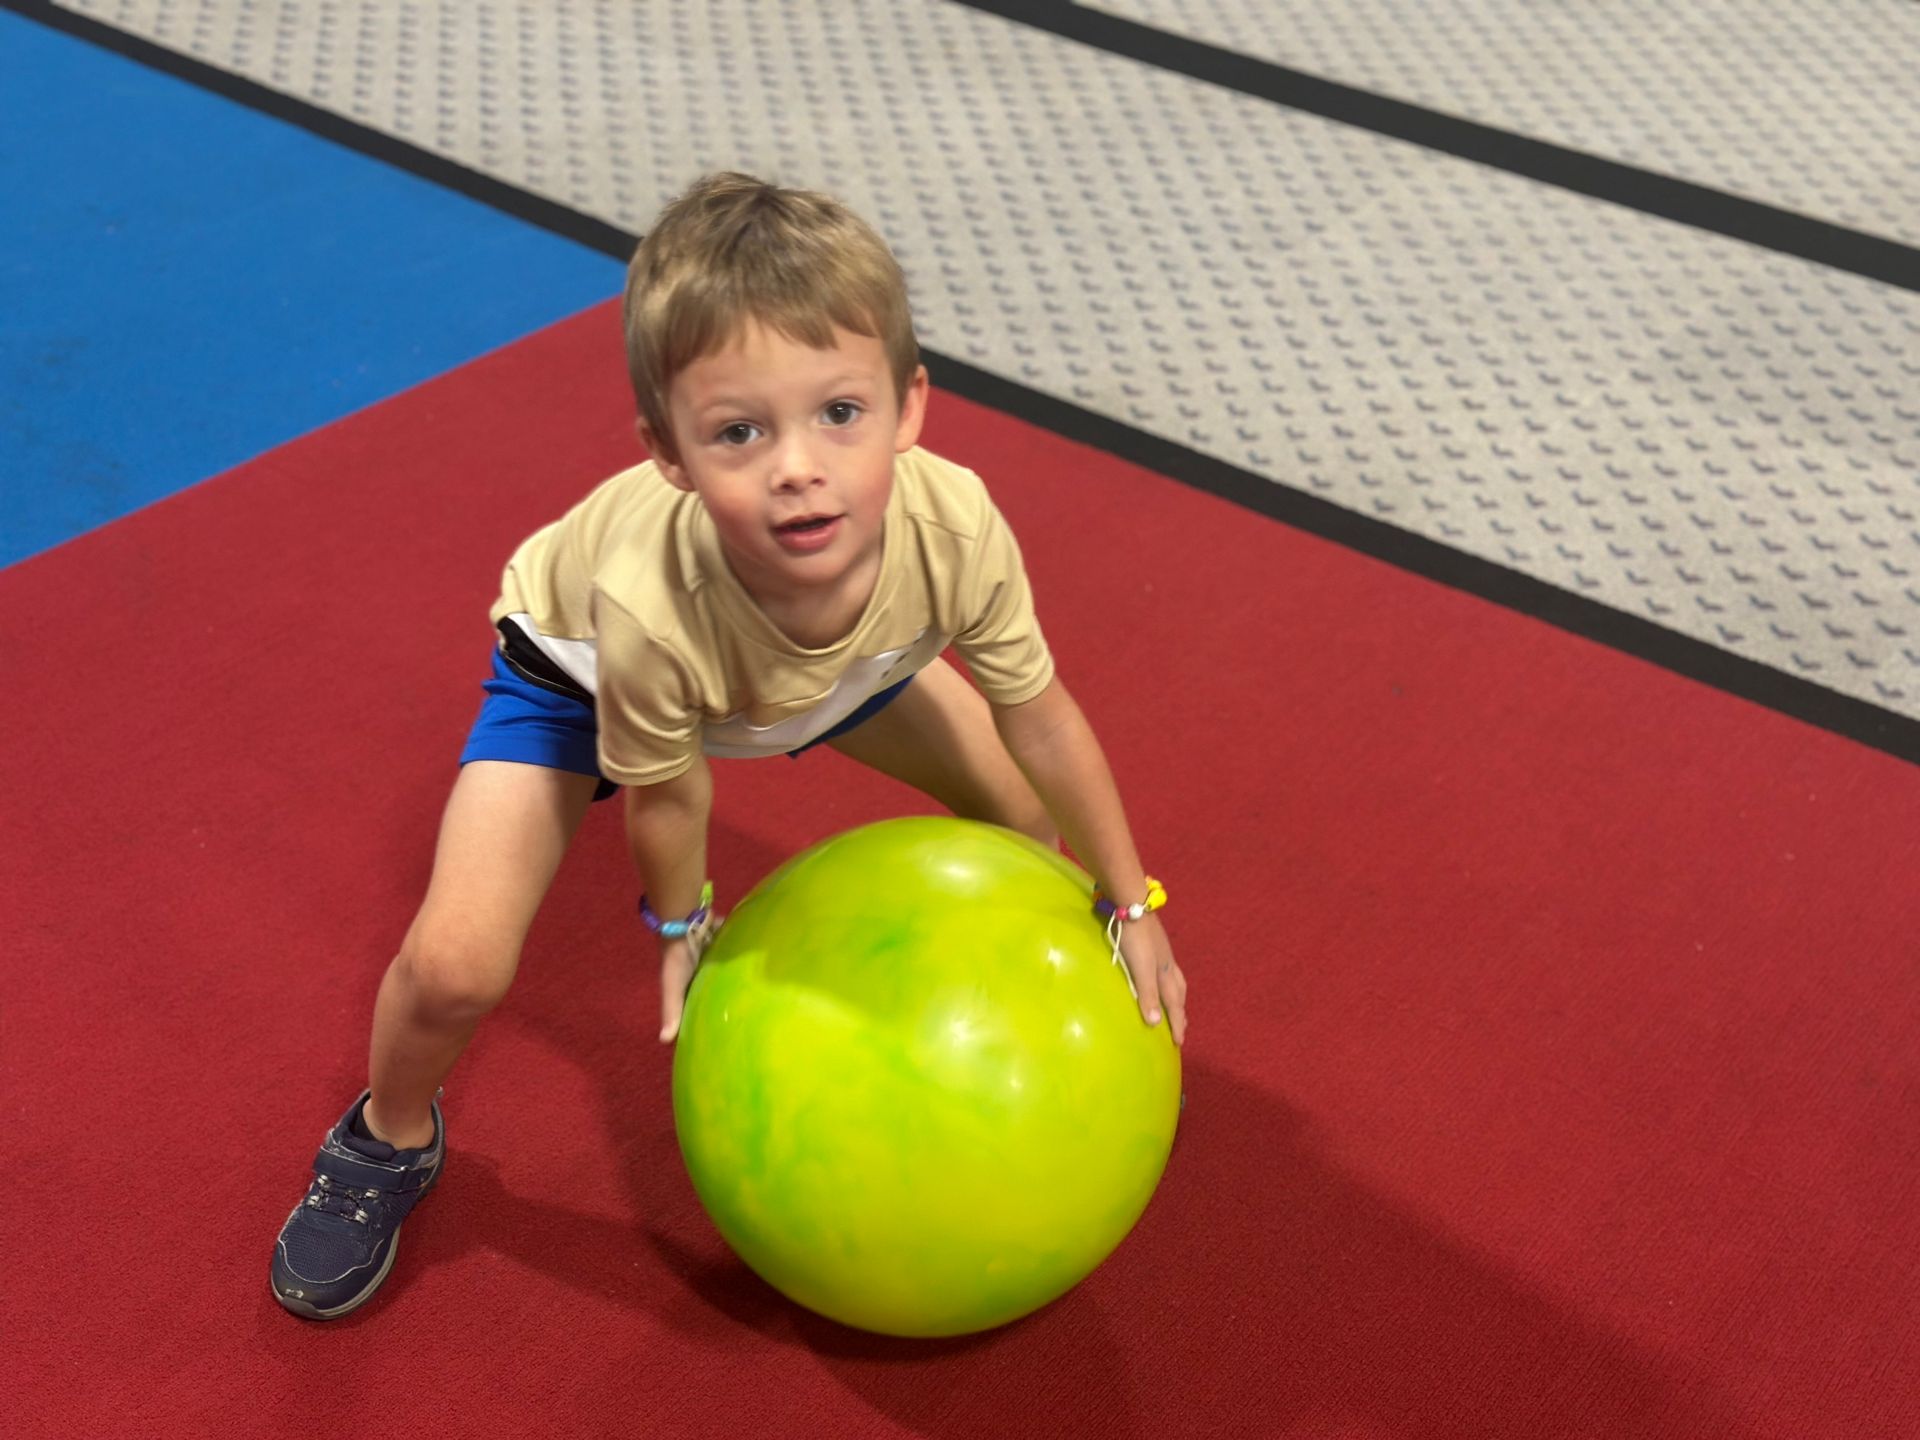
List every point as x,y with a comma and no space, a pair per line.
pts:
785,572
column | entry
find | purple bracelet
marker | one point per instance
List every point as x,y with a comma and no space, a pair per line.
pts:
678,929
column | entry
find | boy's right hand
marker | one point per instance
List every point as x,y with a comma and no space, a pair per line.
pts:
676,974
678,960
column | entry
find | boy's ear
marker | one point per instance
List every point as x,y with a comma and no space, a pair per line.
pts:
913,412
663,456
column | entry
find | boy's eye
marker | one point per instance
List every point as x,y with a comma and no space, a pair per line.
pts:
738,433
841,412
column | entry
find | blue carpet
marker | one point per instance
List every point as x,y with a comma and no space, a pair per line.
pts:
185,283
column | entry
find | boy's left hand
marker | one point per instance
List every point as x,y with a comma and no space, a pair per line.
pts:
1157,980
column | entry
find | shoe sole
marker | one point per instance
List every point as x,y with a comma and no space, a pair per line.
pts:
367,1291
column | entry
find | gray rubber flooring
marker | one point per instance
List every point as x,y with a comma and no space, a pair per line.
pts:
1810,105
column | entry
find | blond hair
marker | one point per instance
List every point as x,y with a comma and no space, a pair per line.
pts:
733,249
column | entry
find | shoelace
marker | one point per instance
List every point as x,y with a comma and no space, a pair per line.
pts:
341,1200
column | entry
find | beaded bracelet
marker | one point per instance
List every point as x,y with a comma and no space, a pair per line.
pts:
1107,909
678,929
1119,916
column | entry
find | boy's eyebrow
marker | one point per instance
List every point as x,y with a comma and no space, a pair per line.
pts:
727,400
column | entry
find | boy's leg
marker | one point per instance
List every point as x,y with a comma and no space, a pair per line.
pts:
505,830
938,736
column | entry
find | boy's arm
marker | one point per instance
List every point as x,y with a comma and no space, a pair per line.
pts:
1051,741
667,836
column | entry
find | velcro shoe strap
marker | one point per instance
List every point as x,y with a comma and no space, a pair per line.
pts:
362,1174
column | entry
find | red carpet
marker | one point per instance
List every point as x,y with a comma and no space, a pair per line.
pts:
1553,1069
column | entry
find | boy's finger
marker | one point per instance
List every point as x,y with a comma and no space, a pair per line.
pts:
1177,1013
1172,991
673,1001
1146,985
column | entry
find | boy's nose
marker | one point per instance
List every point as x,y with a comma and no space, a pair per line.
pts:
794,467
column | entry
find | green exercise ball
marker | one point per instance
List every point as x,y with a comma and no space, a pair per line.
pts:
912,1089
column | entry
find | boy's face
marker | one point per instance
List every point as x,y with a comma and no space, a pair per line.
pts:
791,449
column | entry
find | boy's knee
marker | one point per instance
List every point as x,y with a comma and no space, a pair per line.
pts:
453,980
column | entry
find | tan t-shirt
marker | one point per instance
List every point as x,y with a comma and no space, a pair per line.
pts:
630,594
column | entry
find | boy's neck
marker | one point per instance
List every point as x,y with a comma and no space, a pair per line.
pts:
814,620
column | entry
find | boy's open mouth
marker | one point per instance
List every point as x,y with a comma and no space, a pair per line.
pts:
808,533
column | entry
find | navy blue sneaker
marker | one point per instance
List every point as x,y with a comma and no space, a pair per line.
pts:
339,1242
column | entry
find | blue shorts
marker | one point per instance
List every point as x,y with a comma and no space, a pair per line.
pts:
534,725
